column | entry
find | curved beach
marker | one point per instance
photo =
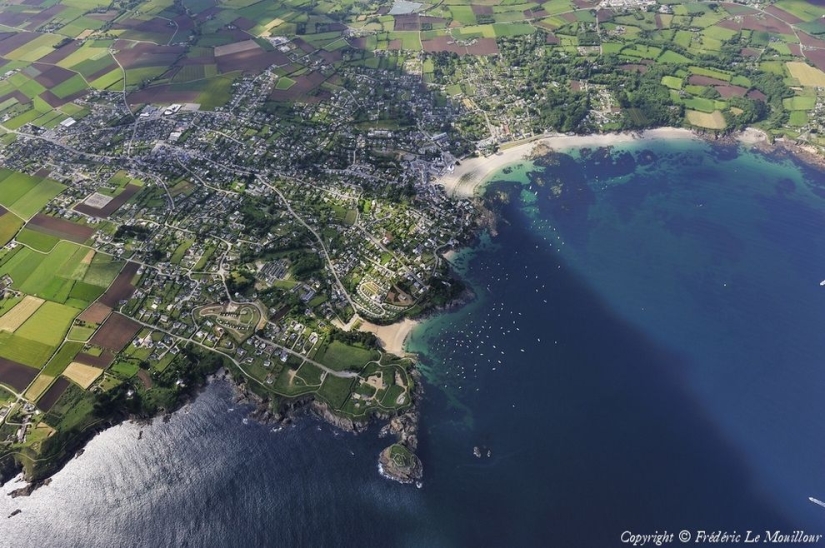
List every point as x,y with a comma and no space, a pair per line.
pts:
393,336
465,179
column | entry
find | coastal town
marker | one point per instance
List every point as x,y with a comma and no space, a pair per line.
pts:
186,187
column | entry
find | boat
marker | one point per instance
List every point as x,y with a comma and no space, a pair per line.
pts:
822,282
817,501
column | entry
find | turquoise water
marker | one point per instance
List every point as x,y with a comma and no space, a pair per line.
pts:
645,353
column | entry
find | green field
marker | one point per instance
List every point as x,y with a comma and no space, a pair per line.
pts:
336,391
78,333
34,273
672,82
37,240
798,118
9,225
806,11
115,76
49,324
340,356
310,374
25,195
71,86
14,185
125,369
284,83
805,102
25,351
62,358
103,270
86,292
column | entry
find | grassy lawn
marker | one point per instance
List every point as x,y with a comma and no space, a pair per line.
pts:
311,374
336,391
340,356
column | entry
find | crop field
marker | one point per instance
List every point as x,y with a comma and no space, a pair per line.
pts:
714,120
25,195
47,400
18,315
96,313
9,225
33,272
103,270
14,185
83,375
37,240
122,287
48,324
116,332
25,351
40,384
61,228
102,361
112,79
112,205
806,74
16,375
8,302
805,11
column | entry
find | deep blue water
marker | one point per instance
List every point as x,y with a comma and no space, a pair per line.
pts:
645,353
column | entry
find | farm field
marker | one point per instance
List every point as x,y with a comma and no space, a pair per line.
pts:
25,195
48,324
18,315
40,384
9,225
83,375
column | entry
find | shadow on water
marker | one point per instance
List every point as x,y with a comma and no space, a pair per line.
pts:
592,436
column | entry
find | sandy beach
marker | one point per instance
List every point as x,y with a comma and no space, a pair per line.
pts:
392,336
466,178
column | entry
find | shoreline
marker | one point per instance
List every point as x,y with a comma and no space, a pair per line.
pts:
466,178
392,337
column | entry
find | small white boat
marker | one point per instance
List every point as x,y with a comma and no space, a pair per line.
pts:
822,282
817,501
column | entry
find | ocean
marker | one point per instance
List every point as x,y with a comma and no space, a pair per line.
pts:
644,354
